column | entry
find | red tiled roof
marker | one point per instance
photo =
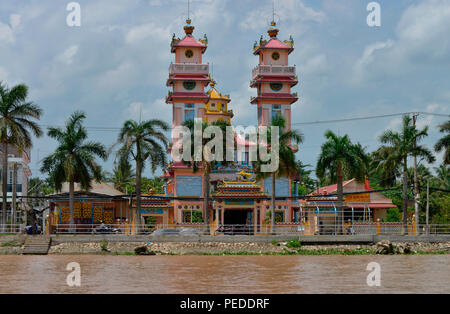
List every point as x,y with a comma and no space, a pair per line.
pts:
274,43
189,42
285,96
274,79
330,189
188,78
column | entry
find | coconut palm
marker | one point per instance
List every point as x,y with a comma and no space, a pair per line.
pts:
384,173
207,163
444,143
74,159
122,176
16,127
142,141
286,156
340,158
402,145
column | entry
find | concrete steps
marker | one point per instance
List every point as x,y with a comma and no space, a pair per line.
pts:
37,245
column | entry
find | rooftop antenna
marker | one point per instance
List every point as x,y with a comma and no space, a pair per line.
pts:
189,9
273,10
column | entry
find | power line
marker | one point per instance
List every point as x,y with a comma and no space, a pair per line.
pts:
114,129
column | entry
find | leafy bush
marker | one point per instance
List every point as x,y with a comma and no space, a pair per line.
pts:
104,246
294,244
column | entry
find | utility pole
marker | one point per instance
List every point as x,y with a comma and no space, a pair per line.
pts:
416,185
14,196
428,205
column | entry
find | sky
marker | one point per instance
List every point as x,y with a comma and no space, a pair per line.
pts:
115,65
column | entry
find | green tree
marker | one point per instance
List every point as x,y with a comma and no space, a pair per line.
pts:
122,175
74,158
340,158
207,162
444,143
286,157
383,170
307,183
402,145
142,142
17,125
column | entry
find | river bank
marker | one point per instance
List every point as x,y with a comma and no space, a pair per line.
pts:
238,248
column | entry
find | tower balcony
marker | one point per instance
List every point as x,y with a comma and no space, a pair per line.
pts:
274,70
183,68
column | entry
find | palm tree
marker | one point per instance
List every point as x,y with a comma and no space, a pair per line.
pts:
442,178
383,172
122,176
142,141
16,122
402,145
74,159
308,183
444,143
287,164
340,158
206,162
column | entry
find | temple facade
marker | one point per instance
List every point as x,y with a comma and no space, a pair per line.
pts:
236,197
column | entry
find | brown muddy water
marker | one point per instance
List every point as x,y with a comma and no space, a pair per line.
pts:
225,274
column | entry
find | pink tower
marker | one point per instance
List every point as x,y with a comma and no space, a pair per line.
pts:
188,77
274,77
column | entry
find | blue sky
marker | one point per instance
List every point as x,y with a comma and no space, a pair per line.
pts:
116,64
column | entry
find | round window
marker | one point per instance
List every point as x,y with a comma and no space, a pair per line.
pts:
275,56
276,86
189,85
189,53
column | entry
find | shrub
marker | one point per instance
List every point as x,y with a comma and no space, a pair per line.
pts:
104,246
294,244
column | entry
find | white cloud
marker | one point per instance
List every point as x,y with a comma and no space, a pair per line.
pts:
360,68
140,111
315,65
14,20
141,32
3,75
6,33
68,54
421,39
287,11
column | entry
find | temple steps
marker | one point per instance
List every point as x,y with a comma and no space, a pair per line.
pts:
37,245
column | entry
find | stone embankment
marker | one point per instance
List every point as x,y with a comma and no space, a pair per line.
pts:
217,248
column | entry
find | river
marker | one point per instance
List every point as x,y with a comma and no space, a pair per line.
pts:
225,274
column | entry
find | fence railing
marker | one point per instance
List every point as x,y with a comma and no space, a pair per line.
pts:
278,229
12,228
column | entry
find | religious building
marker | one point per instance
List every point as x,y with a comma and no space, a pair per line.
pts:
238,199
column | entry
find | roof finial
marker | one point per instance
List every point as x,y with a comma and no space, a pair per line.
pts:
273,12
189,29
273,31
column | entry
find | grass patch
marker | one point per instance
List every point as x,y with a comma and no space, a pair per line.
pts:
293,244
10,244
124,254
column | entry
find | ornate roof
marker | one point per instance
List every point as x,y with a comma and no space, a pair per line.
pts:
189,41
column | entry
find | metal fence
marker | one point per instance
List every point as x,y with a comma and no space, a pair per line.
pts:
279,229
12,228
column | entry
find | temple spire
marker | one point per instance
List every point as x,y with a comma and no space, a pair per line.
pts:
273,30
189,29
